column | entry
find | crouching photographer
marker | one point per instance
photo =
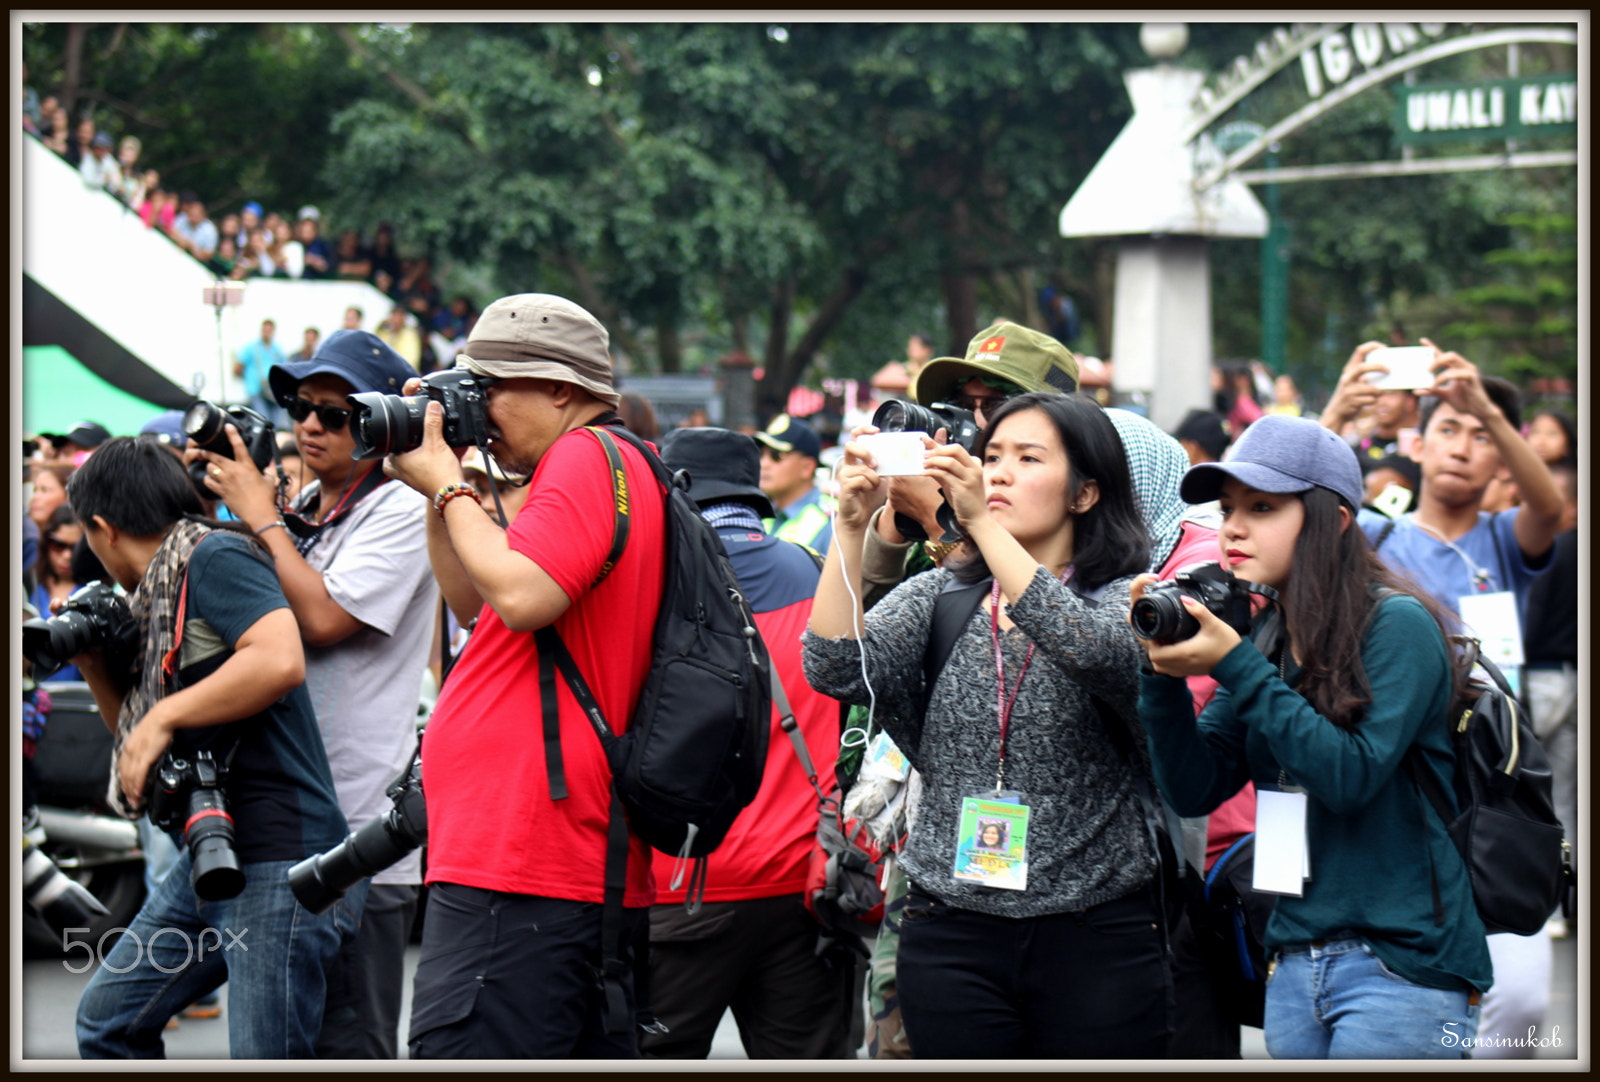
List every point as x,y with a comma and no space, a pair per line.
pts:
214,733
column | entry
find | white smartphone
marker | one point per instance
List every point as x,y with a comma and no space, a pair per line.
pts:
898,454
1410,367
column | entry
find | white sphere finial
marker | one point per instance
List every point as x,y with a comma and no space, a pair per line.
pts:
1163,41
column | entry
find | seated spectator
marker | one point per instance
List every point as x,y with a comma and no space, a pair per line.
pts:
385,261
57,128
350,258
225,260
274,219
279,242
49,492
131,190
399,331
287,253
254,261
159,209
416,292
193,231
228,226
249,221
79,141
318,257
452,320
352,318
98,168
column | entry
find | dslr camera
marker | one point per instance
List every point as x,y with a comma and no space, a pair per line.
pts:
60,900
1160,616
186,794
896,415
320,881
203,424
94,616
384,424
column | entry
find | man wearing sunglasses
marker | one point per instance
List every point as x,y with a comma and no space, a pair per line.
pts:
352,557
790,449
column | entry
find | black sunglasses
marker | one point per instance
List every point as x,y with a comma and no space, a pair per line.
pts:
59,545
333,418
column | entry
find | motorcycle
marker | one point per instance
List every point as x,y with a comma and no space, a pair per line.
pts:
90,844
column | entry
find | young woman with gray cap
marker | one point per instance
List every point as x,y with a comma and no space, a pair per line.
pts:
1319,709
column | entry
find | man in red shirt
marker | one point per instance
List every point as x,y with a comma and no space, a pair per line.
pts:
511,950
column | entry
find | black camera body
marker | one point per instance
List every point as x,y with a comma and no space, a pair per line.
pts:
186,794
961,428
320,881
203,423
896,415
1160,616
94,616
384,424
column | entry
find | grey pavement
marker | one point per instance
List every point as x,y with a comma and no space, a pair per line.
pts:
50,996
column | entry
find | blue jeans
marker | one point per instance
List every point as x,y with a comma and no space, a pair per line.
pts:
1339,1001
272,952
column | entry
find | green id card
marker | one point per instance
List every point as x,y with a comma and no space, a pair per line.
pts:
992,842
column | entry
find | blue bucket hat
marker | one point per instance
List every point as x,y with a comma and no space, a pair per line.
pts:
787,433
167,427
360,358
1281,454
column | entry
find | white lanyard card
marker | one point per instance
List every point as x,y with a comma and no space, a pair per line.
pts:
1282,859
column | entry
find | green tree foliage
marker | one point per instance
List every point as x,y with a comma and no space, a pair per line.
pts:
795,187
233,111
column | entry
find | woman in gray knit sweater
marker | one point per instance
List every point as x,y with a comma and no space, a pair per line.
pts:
1048,947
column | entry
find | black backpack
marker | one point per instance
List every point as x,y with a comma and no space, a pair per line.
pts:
1506,830
696,747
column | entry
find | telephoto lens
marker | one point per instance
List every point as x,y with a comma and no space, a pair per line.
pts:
320,881
62,901
216,874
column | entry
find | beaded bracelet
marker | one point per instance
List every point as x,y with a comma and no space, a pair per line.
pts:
450,492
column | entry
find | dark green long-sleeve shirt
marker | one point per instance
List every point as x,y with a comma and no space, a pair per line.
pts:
1372,837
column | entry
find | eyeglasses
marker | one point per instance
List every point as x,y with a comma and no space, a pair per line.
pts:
333,418
59,545
984,403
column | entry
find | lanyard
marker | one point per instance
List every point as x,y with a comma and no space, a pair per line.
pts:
1004,704
1481,576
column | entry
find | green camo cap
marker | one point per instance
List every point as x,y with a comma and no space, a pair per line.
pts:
1032,360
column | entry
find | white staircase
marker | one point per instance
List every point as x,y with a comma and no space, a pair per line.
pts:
139,296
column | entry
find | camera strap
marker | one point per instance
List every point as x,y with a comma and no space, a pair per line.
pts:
307,532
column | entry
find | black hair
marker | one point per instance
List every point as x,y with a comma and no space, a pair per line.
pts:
1329,602
1568,429
141,488
1501,392
42,569
1108,540
1206,429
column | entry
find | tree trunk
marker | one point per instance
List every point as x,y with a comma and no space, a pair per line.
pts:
773,390
669,349
72,68
1105,292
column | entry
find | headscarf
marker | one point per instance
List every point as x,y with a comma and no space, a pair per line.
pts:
1157,463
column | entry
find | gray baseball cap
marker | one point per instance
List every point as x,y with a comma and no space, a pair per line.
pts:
541,336
1281,454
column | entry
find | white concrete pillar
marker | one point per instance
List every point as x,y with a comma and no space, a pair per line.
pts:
1161,330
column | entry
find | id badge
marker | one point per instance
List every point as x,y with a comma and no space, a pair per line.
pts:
992,841
1492,620
1282,858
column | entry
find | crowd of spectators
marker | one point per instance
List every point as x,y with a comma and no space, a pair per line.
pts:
252,242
